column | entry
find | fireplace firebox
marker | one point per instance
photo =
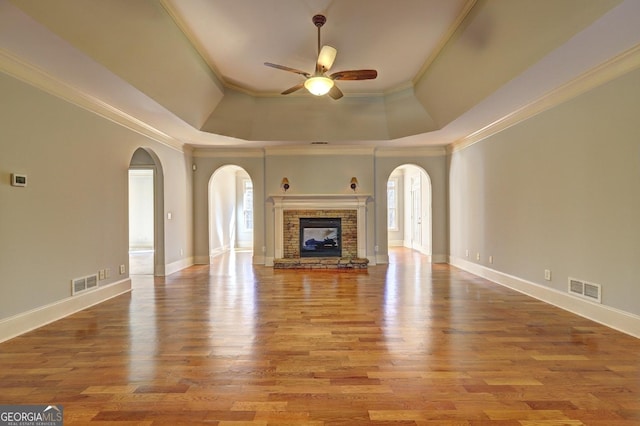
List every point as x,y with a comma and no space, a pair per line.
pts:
320,237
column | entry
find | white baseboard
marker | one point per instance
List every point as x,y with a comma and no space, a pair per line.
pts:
178,265
439,258
611,317
379,259
218,251
35,318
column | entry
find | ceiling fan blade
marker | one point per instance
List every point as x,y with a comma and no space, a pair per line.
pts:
284,68
335,93
293,89
355,75
326,57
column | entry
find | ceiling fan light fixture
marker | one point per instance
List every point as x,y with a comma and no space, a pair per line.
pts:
318,85
327,56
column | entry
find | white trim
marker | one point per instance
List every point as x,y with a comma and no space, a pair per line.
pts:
218,251
36,77
439,258
228,152
420,249
38,317
309,149
379,259
614,318
608,71
284,202
414,152
178,265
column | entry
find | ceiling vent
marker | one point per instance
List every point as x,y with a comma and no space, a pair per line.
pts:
586,290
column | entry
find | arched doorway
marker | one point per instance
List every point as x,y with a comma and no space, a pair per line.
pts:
409,209
230,211
146,220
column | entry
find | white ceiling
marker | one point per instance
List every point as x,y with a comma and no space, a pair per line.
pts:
185,71
237,36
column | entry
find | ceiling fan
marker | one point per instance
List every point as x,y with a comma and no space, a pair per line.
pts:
319,83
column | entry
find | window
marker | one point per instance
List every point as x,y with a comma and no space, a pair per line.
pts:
392,204
247,204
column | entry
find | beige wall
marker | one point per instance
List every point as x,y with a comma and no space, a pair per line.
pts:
72,218
209,162
322,170
560,191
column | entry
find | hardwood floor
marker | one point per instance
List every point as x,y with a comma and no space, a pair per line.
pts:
405,344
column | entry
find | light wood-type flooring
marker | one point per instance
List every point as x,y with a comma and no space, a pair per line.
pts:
405,344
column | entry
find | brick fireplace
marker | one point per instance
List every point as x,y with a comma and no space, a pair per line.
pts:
350,209
291,230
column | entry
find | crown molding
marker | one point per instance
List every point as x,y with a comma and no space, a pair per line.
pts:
605,72
444,40
226,83
34,76
319,150
214,152
197,47
431,151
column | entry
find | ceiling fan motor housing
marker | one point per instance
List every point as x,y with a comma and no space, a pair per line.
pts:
319,20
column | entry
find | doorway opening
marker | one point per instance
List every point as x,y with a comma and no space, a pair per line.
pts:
146,207
409,209
141,242
230,211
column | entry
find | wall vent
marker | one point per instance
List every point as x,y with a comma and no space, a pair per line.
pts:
81,284
92,281
585,289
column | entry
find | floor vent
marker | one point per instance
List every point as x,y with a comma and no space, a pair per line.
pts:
79,285
585,289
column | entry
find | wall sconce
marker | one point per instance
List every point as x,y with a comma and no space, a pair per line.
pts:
284,184
354,184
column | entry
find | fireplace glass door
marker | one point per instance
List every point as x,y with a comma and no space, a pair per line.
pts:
320,237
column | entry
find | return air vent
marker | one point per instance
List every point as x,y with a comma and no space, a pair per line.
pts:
585,289
79,285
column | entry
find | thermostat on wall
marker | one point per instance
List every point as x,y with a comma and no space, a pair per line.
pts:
18,180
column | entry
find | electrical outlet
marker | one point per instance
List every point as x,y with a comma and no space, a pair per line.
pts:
123,269
491,260
477,256
466,253
107,273
101,274
547,274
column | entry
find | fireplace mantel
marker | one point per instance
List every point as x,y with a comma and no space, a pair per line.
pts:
282,202
320,201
